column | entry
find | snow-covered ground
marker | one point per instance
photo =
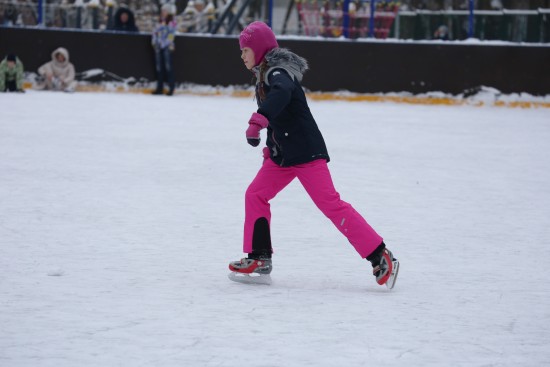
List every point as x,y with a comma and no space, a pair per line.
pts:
120,212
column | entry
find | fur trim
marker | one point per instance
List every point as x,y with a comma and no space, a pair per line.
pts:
282,58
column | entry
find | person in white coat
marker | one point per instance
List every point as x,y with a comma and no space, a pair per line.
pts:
59,73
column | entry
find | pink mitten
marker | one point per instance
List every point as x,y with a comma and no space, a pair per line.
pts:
256,123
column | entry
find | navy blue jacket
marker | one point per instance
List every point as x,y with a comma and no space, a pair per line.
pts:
292,135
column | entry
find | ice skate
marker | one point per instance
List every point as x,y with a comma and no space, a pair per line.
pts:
385,266
251,271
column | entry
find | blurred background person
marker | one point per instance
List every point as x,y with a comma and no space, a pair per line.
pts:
8,14
124,21
196,16
163,42
27,15
57,74
11,74
442,33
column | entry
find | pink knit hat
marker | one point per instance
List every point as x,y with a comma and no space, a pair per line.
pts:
260,38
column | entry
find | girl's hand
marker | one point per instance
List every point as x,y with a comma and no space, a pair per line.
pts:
256,123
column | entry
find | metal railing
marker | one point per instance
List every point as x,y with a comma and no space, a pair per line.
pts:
504,25
352,19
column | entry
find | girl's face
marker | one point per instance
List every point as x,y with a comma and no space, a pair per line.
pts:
247,55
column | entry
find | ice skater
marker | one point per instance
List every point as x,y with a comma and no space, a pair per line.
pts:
295,149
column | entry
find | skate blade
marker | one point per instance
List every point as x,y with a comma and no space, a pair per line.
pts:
393,276
264,279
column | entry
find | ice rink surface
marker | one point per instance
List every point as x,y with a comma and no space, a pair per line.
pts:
120,212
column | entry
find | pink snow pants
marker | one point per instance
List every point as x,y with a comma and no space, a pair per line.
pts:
315,178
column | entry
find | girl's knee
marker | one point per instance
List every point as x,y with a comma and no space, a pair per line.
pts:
251,194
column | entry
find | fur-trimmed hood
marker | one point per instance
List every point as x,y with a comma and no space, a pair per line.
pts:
282,58
63,51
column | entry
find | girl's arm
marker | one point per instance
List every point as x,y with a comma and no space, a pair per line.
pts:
19,76
279,95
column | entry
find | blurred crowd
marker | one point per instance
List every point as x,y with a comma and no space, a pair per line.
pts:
163,19
131,16
190,15
58,73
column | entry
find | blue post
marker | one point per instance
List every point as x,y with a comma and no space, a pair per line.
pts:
40,12
345,21
270,14
471,19
371,19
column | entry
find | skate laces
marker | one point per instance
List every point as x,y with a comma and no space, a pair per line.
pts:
246,261
243,263
246,265
383,269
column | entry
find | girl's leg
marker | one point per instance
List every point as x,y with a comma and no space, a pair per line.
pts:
316,179
269,181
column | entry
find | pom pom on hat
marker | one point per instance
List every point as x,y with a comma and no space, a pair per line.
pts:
260,38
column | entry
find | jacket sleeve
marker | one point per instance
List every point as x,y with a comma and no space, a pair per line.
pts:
154,37
70,74
45,68
3,72
279,94
20,70
171,36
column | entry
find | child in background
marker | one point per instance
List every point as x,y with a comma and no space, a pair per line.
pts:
59,73
295,149
163,43
11,74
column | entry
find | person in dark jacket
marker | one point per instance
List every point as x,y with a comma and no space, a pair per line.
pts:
295,149
124,21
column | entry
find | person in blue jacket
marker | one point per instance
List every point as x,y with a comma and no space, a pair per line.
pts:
163,42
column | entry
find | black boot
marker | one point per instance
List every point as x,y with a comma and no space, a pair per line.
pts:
376,255
159,89
171,90
261,240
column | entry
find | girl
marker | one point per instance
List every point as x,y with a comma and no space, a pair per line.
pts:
295,149
163,43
